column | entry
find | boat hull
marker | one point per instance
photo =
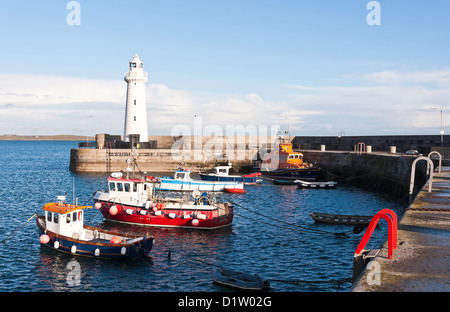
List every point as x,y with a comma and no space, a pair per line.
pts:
100,249
340,219
206,219
242,179
319,185
289,174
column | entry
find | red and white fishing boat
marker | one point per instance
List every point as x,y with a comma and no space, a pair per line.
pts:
133,200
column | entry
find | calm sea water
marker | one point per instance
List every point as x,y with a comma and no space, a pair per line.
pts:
306,257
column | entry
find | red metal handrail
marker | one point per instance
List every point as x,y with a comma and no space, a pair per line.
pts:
391,219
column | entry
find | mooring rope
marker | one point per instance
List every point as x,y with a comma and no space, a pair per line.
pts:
3,241
299,227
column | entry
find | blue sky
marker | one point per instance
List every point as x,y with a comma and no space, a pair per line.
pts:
230,62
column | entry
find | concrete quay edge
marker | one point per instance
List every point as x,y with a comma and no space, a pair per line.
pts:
421,262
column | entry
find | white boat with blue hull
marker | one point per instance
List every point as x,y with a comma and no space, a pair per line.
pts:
182,181
61,228
222,174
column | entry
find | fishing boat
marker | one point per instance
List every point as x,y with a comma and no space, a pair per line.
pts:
134,200
285,164
323,184
182,181
222,174
62,228
240,280
340,219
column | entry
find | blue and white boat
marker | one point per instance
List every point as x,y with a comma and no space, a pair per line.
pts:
222,174
61,228
182,181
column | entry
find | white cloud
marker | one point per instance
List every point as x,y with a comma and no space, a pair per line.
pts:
381,103
388,102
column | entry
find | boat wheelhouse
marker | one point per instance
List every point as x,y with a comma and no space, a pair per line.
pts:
285,164
133,200
62,228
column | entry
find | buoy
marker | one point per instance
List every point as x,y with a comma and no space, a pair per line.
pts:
113,210
73,249
56,245
195,222
129,211
115,240
158,213
97,252
123,251
98,205
172,215
44,239
154,209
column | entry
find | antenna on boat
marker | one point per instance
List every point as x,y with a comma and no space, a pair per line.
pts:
73,189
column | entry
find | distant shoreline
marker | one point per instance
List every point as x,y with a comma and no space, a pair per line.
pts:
61,137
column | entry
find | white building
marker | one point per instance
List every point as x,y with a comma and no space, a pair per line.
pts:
136,108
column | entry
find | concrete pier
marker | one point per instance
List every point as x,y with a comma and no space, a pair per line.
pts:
148,160
421,262
382,171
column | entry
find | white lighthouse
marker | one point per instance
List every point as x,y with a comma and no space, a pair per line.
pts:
136,108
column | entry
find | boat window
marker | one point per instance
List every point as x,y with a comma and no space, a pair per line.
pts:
112,186
56,218
180,175
68,218
74,216
127,187
134,187
49,216
296,156
120,187
80,215
291,157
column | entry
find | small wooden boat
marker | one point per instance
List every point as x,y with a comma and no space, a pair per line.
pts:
306,184
240,280
62,229
284,182
234,190
340,219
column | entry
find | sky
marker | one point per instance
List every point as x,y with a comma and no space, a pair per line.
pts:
319,68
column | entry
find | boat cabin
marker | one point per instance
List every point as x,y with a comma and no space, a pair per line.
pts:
182,175
139,189
222,170
64,219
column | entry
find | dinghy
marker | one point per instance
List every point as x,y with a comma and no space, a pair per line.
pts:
340,219
240,280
